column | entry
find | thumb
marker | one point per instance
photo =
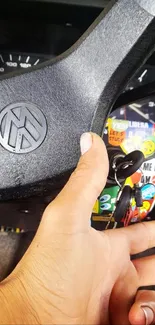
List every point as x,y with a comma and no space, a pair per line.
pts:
76,200
143,310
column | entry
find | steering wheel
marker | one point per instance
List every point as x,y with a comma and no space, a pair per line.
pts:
44,111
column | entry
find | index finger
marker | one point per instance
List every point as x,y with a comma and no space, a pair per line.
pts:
140,237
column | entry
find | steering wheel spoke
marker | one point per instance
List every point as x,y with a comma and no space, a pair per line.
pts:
73,93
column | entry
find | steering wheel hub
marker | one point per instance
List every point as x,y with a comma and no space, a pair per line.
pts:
23,127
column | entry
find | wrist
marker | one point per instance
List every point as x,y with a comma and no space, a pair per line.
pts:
14,304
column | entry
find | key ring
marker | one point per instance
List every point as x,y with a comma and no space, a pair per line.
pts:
130,164
116,179
149,288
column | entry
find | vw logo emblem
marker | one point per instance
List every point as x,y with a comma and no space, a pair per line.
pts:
23,127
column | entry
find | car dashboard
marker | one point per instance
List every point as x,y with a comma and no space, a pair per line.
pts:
33,32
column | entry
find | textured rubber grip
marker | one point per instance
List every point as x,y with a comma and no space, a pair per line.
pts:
147,5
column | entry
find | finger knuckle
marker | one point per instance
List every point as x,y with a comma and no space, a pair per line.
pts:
83,169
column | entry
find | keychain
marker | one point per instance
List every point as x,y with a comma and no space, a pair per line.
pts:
124,167
122,203
142,204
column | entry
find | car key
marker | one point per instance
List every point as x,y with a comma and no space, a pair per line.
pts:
138,196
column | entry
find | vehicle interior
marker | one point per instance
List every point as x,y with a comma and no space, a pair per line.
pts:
67,67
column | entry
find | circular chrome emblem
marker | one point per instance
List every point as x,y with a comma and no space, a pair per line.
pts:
23,127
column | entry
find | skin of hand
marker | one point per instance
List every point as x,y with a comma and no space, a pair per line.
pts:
70,271
142,311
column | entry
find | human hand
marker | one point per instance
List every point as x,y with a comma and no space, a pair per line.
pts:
69,271
139,310
143,310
